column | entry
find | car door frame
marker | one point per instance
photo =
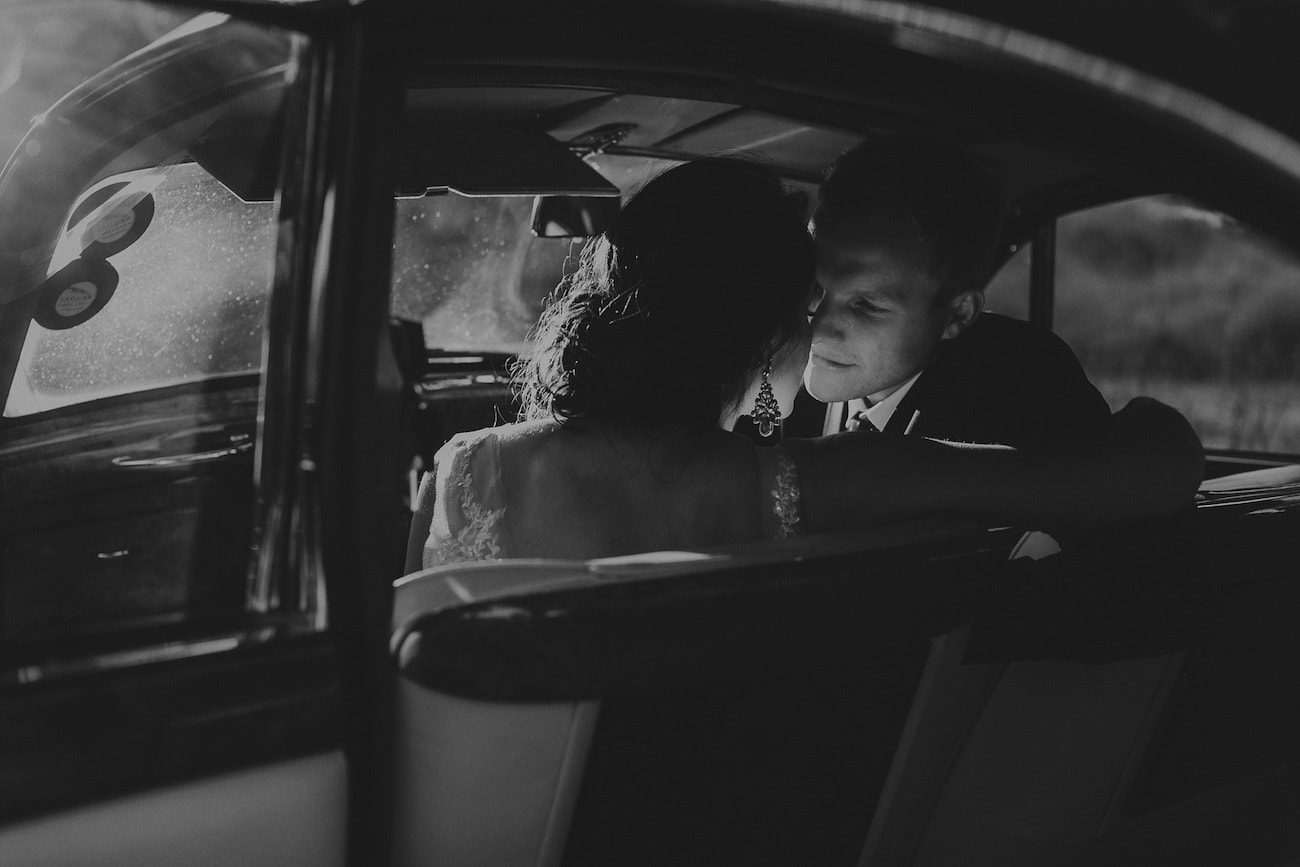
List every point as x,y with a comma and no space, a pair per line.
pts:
317,496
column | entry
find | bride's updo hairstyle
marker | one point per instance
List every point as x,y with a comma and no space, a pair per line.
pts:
669,315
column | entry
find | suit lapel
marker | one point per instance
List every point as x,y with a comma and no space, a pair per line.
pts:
943,392
911,403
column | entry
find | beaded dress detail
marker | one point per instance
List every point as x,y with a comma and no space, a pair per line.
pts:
786,498
782,498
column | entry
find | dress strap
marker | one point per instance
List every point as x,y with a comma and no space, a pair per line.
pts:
782,502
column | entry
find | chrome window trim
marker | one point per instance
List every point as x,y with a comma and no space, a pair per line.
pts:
284,465
64,668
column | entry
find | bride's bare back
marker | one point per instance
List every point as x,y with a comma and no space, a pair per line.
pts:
583,491
601,490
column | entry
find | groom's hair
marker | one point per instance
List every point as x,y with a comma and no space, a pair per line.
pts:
952,199
669,315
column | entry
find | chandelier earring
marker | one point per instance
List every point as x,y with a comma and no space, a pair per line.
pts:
767,410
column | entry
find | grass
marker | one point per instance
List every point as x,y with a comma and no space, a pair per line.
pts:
1255,416
1159,297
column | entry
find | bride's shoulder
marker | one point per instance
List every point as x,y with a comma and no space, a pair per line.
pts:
472,457
489,451
510,435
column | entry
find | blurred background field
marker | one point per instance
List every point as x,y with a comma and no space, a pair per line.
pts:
1159,297
1254,416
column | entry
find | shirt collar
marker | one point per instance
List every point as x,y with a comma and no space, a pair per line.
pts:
880,413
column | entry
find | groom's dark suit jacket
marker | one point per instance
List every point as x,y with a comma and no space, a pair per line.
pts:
1004,381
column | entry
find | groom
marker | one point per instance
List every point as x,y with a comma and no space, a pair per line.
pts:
907,232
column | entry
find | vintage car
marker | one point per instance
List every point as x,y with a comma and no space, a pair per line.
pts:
258,261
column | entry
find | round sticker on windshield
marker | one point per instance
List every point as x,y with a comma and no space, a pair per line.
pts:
74,300
75,293
117,226
113,226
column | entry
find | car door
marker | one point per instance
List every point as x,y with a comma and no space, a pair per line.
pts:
172,678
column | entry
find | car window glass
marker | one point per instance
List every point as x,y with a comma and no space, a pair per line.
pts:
137,251
189,303
1159,296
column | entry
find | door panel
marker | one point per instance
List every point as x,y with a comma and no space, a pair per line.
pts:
116,523
291,813
72,733
167,694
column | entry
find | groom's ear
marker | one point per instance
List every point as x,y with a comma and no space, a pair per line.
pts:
962,311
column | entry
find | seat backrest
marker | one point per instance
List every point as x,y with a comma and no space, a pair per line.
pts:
492,782
1049,762
948,700
1179,757
752,717
1015,763
483,782
779,767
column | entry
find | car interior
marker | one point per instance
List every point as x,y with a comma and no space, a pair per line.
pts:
931,693
966,729
956,727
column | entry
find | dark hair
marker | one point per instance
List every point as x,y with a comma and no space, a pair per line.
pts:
954,201
667,316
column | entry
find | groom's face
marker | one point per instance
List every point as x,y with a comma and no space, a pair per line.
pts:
876,319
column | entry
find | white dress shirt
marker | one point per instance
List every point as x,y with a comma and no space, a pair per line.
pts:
880,412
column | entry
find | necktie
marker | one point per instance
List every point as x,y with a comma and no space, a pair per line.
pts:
859,421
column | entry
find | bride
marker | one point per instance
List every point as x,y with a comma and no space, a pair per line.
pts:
687,313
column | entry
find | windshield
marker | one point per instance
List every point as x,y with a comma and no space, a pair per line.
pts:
471,270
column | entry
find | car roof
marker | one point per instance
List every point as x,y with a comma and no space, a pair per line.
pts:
1239,52
1068,115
